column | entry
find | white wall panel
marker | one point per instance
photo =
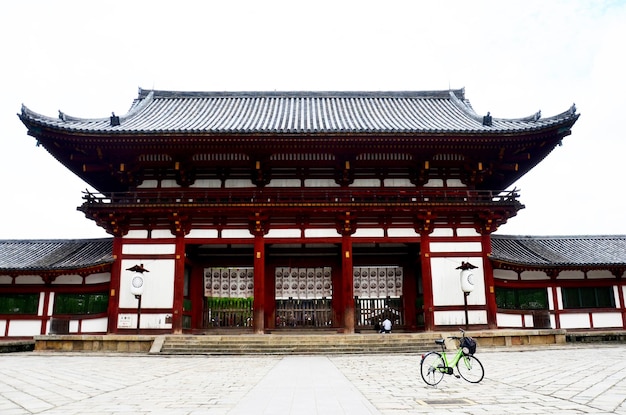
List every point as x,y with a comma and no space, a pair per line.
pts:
368,232
283,233
236,233
159,284
207,183
597,274
504,274
321,233
402,232
68,279
5,279
284,183
442,232
24,328
136,234
605,320
152,249
95,325
457,318
29,279
398,183
571,275
467,232
321,183
202,233
534,275
575,321
447,282
509,320
456,247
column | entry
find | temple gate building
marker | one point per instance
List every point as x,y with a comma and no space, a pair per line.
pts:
269,211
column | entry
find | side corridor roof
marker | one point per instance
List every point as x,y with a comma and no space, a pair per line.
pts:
559,250
54,255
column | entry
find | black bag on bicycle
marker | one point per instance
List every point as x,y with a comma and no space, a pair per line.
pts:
468,345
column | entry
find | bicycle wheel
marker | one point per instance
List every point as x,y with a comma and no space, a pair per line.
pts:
431,368
470,369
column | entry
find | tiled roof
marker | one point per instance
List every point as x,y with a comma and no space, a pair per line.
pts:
300,112
560,250
53,255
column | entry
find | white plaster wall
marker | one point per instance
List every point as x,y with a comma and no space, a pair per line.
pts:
457,318
24,328
321,233
68,279
207,183
29,279
283,233
3,326
169,184
148,184
161,233
534,275
434,183
98,278
509,320
447,282
467,232
575,321
50,310
40,304
202,233
402,232
320,183
284,183
95,325
5,279
158,283
231,183
369,232
365,183
136,234
154,249
503,274
456,247
455,183
442,232
148,321
571,275
236,233
398,183
605,320
600,274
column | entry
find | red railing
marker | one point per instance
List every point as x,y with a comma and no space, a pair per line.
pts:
286,196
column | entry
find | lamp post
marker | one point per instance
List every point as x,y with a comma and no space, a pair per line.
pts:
136,288
467,285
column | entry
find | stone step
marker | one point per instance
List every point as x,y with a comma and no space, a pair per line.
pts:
296,344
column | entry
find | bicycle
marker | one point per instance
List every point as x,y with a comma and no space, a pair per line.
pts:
435,365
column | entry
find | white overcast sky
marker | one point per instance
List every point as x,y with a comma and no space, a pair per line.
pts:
88,59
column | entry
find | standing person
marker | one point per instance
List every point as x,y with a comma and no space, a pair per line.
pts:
387,326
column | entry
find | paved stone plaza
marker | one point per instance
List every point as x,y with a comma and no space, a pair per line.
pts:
566,380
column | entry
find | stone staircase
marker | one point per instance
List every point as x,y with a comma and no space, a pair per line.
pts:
301,344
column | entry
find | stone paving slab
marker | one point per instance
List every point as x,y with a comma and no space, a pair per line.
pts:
588,379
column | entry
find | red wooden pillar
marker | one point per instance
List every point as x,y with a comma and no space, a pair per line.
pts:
179,286
347,284
490,290
427,282
114,286
259,284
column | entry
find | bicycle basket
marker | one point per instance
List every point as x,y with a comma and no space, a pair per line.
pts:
468,345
